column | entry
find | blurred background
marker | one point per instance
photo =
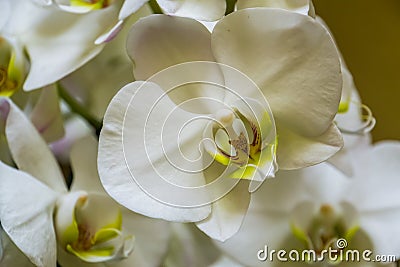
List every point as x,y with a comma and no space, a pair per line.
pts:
368,35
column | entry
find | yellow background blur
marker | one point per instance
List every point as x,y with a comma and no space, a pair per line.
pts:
368,35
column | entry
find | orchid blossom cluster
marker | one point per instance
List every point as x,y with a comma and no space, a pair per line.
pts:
186,133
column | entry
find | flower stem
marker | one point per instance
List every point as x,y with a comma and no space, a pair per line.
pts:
155,7
77,108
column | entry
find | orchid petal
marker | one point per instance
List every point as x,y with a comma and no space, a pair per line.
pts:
381,227
378,166
30,152
303,83
253,238
304,7
84,166
297,151
227,213
26,217
171,35
159,41
129,7
124,119
4,13
46,115
208,10
189,244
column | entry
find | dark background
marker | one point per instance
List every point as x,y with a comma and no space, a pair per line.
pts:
368,35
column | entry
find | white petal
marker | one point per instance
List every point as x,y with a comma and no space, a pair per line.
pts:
114,168
129,7
304,7
258,229
4,12
46,115
381,227
378,172
208,10
84,166
159,41
291,58
26,212
56,41
227,213
30,152
298,151
189,245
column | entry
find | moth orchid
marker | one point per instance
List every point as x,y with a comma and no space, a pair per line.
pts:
245,80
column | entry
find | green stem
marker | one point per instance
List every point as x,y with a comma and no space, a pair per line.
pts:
155,7
77,108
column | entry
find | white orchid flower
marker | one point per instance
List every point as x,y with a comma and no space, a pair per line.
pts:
41,216
56,42
313,208
266,79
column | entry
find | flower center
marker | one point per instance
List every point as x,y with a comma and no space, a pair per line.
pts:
243,136
324,229
237,138
88,232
